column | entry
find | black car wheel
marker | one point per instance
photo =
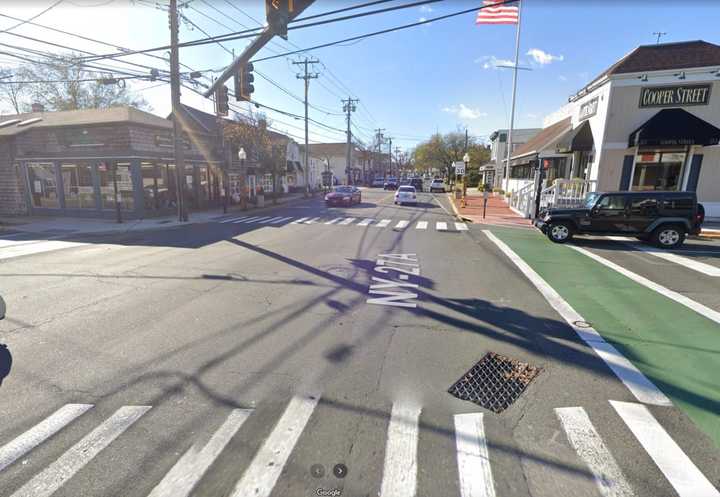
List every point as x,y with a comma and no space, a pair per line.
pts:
560,232
668,236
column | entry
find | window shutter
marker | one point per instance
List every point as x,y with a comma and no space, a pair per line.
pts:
626,172
694,175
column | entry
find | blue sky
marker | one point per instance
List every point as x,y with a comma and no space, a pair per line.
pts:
439,76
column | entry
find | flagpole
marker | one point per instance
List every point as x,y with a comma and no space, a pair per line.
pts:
514,91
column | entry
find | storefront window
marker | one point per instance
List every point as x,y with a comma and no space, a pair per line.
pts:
43,186
78,186
109,173
166,186
521,172
150,185
267,183
556,168
658,171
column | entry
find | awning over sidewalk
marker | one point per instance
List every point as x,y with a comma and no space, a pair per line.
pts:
674,127
579,139
544,140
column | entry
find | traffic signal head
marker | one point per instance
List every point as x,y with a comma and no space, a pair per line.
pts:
221,100
277,14
243,83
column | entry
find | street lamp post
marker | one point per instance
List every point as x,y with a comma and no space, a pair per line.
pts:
466,160
242,155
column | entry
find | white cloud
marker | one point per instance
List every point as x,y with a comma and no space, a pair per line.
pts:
426,8
492,62
543,58
422,19
562,78
464,112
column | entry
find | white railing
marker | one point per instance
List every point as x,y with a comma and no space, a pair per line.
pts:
523,200
566,193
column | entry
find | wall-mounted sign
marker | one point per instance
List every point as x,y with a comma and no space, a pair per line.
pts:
166,141
673,96
81,138
588,109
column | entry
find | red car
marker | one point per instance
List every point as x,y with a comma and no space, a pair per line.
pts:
343,195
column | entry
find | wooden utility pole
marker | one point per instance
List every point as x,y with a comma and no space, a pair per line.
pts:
178,144
348,107
307,77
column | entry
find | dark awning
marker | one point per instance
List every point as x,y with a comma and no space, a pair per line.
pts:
674,127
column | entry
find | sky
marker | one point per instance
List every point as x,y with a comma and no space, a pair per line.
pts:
442,76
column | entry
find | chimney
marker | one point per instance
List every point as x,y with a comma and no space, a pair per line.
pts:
36,107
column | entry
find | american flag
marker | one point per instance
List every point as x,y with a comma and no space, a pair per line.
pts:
501,14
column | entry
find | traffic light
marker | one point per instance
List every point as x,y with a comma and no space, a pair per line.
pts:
277,13
221,100
244,83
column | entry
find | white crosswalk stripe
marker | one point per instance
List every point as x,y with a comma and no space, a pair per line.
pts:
365,222
301,220
233,219
421,225
589,446
461,226
683,475
246,219
400,470
270,220
55,475
184,476
312,221
36,435
260,478
472,455
35,247
401,225
257,220
441,226
281,220
346,221
333,221
383,223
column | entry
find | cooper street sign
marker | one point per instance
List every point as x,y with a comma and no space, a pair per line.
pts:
672,96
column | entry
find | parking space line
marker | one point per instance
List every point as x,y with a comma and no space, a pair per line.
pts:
698,266
642,388
683,475
677,297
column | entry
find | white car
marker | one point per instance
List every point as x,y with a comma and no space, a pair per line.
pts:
437,185
406,195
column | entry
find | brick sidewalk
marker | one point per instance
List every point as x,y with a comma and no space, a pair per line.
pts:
498,212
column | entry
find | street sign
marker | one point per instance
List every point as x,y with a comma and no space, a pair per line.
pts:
459,167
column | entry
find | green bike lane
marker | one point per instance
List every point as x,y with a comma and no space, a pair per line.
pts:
675,347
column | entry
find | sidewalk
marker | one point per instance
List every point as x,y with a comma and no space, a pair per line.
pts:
497,213
52,225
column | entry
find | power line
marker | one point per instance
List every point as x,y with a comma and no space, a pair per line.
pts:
32,18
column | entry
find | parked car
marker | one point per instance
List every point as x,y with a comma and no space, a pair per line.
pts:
406,195
378,182
343,195
437,185
391,184
663,218
417,183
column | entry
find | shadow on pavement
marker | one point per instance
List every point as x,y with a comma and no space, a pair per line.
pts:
5,362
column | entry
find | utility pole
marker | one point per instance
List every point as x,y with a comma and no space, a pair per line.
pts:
466,139
397,157
378,140
307,77
659,34
348,107
176,110
390,153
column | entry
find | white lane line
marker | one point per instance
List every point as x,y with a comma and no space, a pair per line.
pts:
698,266
472,454
312,220
333,221
346,221
642,388
246,219
401,225
186,473
233,219
383,223
55,475
461,226
301,220
270,220
592,450
365,222
262,474
677,297
281,220
36,248
400,470
421,225
36,435
441,226
683,475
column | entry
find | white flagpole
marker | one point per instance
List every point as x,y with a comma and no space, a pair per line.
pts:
512,107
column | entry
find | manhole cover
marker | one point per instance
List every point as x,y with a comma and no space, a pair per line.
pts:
495,382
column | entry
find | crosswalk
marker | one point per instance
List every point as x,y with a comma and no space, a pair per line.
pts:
362,222
473,456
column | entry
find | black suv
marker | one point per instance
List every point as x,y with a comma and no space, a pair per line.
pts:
663,218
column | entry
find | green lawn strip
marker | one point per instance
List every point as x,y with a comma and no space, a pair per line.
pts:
675,347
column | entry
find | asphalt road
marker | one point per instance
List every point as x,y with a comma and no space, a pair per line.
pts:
229,358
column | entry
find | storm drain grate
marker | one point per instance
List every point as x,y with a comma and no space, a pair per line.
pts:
495,382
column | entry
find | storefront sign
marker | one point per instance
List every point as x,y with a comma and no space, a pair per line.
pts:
671,96
588,109
166,141
81,138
